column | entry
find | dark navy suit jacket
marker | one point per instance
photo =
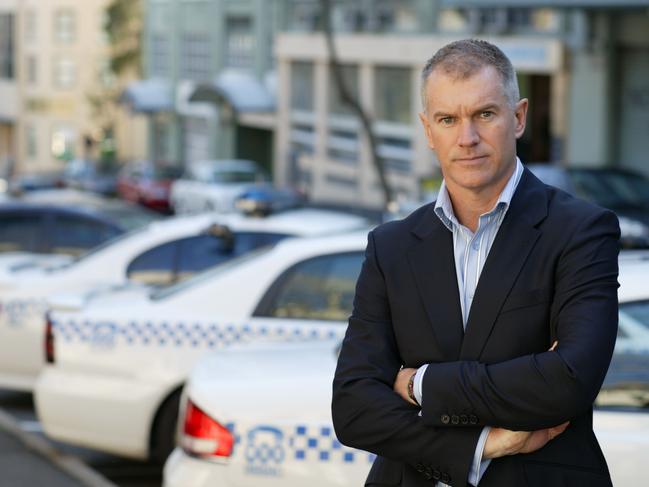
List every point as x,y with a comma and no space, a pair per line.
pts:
551,274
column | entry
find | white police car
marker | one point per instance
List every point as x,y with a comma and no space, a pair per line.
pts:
260,415
118,366
162,253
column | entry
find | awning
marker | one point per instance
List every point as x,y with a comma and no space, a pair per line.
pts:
148,96
242,91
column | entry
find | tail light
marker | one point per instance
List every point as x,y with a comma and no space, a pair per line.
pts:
49,339
203,436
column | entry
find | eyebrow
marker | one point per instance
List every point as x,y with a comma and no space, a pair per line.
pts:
488,106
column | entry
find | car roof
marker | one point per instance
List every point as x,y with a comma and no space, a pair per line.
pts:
634,269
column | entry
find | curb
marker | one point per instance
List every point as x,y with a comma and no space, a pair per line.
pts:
69,464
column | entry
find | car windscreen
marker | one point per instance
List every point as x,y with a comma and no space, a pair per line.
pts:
234,177
166,172
130,217
167,292
612,189
627,382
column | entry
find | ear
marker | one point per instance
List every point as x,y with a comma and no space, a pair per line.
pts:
520,112
427,129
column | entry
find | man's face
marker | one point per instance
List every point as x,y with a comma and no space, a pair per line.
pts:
473,129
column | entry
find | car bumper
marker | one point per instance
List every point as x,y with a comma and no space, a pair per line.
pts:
111,414
181,470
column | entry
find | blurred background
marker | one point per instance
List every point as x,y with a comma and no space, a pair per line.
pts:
255,107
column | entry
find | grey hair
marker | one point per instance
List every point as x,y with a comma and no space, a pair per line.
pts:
462,59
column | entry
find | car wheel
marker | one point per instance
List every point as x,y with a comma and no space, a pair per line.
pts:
163,432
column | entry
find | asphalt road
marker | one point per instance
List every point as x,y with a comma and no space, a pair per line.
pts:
121,472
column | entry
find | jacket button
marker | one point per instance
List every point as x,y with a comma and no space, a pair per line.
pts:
464,419
437,474
473,419
446,418
455,419
446,478
419,467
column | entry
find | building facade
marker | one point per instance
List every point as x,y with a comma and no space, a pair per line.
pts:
54,68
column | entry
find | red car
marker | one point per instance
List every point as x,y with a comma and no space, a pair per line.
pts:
147,183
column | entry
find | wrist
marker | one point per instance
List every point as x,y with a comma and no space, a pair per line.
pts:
411,388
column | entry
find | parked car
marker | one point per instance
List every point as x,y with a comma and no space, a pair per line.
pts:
225,438
90,176
64,222
240,426
23,183
116,367
160,254
214,185
147,183
623,191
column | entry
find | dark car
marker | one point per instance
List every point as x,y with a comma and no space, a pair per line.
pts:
90,176
65,222
147,183
623,191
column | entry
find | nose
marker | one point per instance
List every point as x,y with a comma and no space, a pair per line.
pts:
468,135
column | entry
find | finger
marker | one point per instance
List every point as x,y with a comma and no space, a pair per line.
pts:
554,345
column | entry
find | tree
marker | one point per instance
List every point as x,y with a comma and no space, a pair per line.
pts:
353,103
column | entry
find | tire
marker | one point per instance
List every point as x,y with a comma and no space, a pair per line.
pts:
163,432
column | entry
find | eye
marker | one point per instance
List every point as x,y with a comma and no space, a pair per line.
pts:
446,120
487,115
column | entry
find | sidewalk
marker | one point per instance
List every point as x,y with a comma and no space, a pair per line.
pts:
27,460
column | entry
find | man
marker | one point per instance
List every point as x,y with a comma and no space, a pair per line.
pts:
492,312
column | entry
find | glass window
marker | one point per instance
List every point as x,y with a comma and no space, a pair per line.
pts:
20,232
392,94
31,27
160,55
31,141
64,25
32,70
350,78
156,266
73,235
626,384
199,253
240,42
65,73
7,46
318,289
195,59
302,86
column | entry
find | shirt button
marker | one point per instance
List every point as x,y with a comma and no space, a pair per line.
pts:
475,245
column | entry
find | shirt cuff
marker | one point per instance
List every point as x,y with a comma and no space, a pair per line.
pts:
419,378
479,466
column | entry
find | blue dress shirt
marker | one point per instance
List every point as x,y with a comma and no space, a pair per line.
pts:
471,251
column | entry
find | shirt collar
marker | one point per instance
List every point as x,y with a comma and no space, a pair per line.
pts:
444,208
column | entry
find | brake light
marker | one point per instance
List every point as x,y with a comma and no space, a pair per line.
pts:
204,436
49,339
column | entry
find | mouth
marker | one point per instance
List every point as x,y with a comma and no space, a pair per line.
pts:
471,159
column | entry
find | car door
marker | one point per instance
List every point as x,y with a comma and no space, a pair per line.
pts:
22,231
312,299
74,234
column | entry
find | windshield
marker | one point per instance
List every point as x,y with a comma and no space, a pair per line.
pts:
197,279
235,177
612,189
130,217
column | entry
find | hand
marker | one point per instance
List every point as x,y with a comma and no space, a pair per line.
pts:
401,384
502,442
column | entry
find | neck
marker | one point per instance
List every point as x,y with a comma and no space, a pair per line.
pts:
470,203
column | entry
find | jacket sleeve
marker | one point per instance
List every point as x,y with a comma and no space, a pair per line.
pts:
367,413
544,389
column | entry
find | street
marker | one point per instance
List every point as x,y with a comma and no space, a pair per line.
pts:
24,465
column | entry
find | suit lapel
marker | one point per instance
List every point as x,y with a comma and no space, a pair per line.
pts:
433,265
512,246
